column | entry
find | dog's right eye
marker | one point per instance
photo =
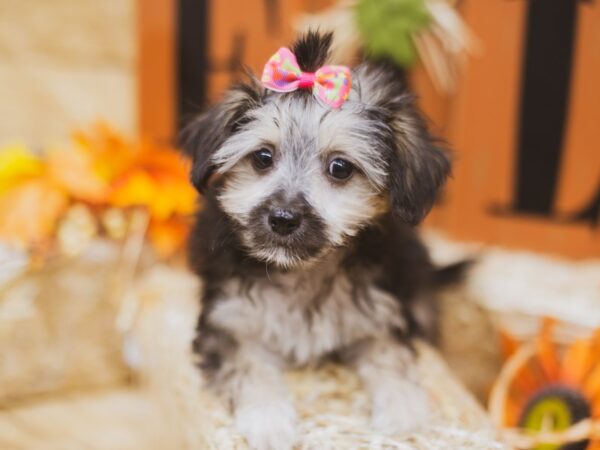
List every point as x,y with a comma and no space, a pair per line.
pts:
262,159
340,169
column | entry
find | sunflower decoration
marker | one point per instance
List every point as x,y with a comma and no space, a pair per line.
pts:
547,396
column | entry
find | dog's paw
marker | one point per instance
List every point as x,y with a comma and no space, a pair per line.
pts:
268,426
405,407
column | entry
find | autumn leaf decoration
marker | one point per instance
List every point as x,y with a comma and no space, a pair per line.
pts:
548,394
30,203
96,180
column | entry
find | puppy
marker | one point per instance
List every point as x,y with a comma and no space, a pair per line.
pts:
306,243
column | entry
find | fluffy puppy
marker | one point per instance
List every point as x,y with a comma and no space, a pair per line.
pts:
306,243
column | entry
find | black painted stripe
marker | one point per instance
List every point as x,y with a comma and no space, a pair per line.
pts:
192,57
547,68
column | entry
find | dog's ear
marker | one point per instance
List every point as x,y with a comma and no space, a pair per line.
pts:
418,163
205,134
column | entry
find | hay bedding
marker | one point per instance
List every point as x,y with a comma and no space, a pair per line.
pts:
57,330
332,406
169,409
115,419
172,411
334,414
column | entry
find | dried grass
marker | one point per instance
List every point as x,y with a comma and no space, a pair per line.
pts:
333,407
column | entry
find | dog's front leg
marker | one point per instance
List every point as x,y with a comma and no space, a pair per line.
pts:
263,409
388,371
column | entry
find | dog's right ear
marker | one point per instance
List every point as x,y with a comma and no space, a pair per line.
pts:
204,135
418,162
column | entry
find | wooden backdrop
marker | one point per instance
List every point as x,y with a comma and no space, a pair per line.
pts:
524,123
220,36
487,199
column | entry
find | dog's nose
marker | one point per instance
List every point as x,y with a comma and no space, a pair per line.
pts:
284,221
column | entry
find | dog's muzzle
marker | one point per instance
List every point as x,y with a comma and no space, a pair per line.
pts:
289,225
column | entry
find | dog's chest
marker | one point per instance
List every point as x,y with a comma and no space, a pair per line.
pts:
304,317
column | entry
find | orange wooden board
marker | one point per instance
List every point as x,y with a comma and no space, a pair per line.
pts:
481,124
254,30
156,68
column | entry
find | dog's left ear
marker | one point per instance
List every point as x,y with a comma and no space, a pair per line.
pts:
418,163
204,135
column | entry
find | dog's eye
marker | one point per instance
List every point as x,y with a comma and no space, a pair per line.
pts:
262,159
340,169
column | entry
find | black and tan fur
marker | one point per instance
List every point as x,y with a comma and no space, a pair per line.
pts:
352,282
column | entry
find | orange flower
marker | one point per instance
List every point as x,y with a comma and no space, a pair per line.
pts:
101,169
157,181
547,352
143,174
111,153
17,164
30,212
30,203
508,344
74,171
168,236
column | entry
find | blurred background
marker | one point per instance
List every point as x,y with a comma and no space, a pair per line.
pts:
95,205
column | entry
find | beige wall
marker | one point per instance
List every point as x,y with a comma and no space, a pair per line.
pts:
65,63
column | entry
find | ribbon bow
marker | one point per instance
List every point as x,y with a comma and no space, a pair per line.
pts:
330,84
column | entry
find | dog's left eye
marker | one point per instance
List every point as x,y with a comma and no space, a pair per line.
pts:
340,169
262,159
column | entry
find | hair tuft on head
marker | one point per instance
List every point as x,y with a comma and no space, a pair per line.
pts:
312,50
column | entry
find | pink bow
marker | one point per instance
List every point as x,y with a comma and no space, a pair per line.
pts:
330,84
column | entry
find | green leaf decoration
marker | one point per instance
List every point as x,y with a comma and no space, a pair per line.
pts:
387,25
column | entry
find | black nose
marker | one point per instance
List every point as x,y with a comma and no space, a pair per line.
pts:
284,221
